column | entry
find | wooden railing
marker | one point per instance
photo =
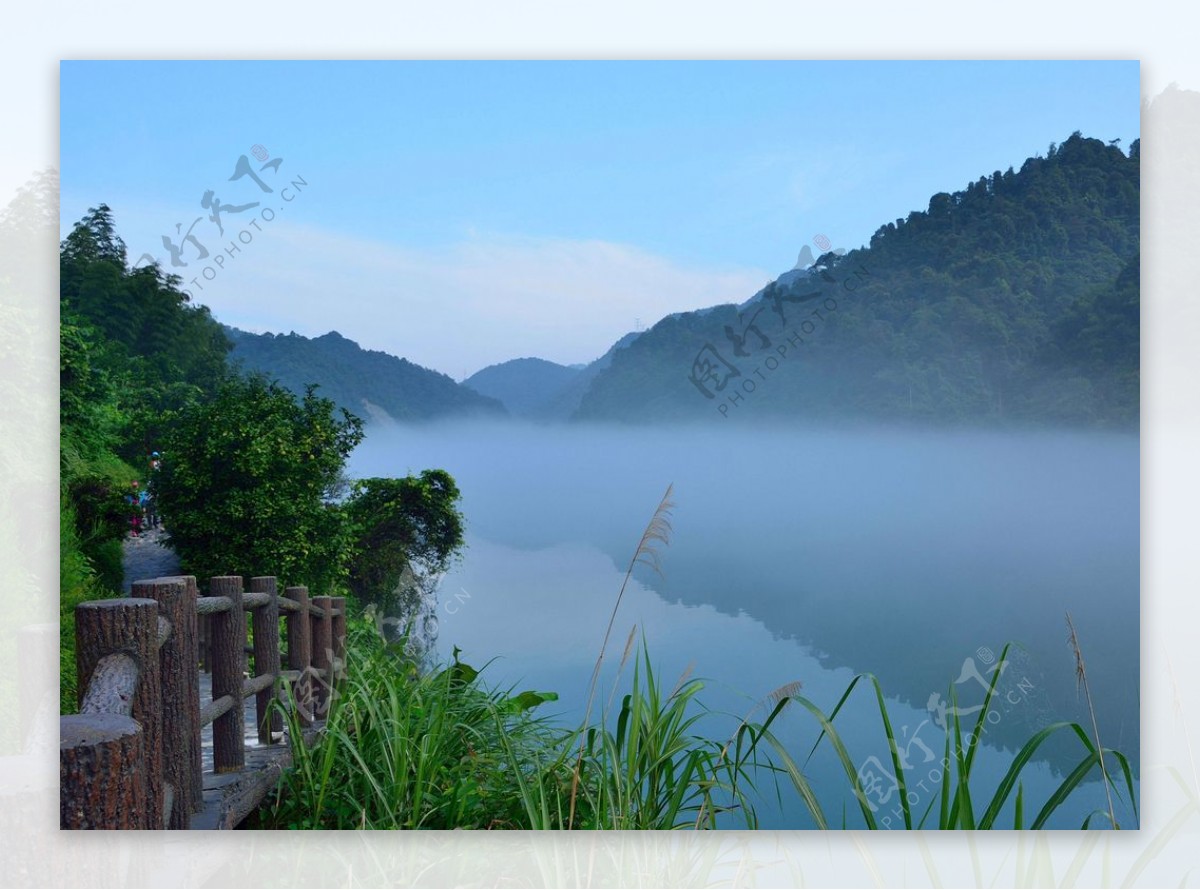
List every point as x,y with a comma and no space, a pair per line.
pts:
131,757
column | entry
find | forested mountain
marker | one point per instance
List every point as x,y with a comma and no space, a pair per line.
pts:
540,390
522,385
373,385
1015,299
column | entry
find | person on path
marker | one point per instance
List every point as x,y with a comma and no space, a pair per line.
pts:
133,499
146,502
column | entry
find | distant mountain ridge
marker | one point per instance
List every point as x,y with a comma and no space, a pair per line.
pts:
374,385
537,389
522,385
1014,300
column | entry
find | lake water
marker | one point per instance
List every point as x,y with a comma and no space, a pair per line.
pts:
812,556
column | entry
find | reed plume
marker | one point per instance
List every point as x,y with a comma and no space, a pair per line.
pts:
1081,680
657,533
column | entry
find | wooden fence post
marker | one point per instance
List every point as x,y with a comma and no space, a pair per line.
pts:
228,653
126,626
339,638
196,757
102,774
265,623
299,646
322,654
180,691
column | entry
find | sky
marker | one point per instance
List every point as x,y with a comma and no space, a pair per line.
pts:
460,214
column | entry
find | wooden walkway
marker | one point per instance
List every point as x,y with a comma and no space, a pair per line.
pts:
143,751
231,797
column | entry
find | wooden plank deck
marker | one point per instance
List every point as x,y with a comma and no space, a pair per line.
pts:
231,797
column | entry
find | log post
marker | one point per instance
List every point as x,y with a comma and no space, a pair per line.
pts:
196,757
112,687
339,639
299,645
180,691
322,655
229,643
128,626
265,623
102,777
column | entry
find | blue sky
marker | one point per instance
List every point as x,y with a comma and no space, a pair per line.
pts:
460,214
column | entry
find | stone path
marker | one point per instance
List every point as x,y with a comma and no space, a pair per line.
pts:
146,557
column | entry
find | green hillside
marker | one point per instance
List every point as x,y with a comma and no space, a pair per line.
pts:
371,384
1013,300
522,385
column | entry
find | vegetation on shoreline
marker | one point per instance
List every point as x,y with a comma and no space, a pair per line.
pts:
406,748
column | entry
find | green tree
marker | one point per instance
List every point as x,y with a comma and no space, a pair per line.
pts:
248,483
398,523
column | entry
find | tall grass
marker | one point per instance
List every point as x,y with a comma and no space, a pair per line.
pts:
406,749
648,767
657,531
957,806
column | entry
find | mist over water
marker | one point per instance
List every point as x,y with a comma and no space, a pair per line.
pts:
802,554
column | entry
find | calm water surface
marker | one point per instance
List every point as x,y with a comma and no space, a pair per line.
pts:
811,556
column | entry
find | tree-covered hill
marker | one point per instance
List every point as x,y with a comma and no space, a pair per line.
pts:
1013,300
540,390
523,385
371,384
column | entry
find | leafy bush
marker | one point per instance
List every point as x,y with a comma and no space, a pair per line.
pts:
399,522
247,482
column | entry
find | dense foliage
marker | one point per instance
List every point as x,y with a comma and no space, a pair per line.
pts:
250,480
395,523
1013,300
159,350
131,347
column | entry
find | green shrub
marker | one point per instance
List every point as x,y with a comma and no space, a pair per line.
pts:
248,482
